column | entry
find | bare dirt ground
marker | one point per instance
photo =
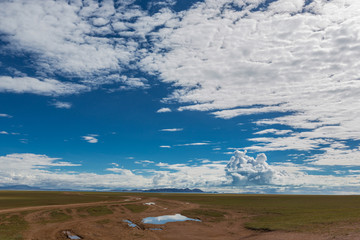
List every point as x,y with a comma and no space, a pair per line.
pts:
43,225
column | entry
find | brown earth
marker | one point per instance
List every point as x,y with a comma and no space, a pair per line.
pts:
43,226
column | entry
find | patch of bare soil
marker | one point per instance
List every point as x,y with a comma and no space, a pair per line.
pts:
112,226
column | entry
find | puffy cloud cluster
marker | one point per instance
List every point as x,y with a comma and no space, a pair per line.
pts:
241,174
244,170
91,42
297,58
229,57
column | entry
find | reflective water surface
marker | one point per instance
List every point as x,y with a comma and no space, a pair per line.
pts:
168,218
71,235
130,223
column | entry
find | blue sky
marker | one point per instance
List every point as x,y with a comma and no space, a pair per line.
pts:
229,96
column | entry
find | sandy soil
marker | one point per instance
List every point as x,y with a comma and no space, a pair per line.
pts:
112,226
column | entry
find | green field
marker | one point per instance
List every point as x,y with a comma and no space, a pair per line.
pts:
282,212
16,199
264,212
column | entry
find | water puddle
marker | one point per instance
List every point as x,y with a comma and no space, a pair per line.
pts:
71,235
131,224
149,203
155,229
168,218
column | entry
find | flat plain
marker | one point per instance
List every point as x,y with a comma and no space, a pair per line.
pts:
38,215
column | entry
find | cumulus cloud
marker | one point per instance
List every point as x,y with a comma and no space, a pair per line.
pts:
59,104
163,110
245,170
241,174
171,129
91,138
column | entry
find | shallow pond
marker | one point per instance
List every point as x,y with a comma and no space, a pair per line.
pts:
71,235
168,218
130,223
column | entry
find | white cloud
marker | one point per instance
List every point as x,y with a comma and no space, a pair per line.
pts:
289,58
165,146
297,60
7,133
38,170
71,39
122,171
48,87
246,170
274,131
285,6
91,138
163,110
194,144
337,156
144,163
293,142
59,104
5,115
172,129
35,170
27,161
182,175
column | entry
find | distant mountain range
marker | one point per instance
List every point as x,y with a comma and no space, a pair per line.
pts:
19,187
164,190
180,190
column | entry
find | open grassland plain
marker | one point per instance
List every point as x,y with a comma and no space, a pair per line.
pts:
28,215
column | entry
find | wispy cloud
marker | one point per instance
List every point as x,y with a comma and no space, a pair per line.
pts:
91,138
144,163
59,104
274,131
165,146
5,115
194,144
172,129
4,132
163,110
48,87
